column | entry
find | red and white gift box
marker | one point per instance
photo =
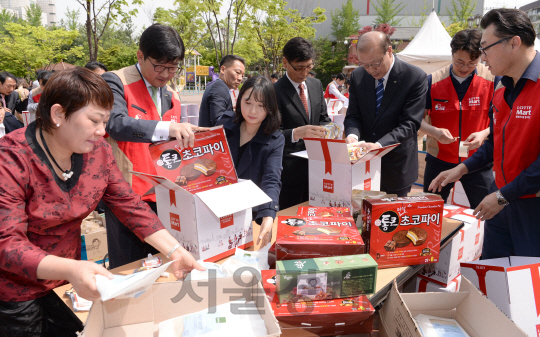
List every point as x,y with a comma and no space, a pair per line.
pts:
332,176
28,117
428,285
475,238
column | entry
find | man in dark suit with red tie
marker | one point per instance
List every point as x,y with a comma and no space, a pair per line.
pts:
303,110
386,106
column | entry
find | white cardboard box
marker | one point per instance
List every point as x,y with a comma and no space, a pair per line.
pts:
209,224
474,312
426,284
332,177
513,284
141,316
475,238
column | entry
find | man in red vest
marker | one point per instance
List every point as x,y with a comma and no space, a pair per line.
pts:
145,110
513,145
457,107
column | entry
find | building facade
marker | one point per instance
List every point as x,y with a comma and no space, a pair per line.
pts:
533,11
19,6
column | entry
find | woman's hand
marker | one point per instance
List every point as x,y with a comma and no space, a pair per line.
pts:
82,275
265,235
184,263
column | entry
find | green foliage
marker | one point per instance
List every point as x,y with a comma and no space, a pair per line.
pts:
345,22
424,13
33,14
453,28
461,10
5,17
387,10
118,56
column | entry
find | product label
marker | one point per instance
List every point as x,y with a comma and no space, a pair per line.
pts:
328,186
175,221
226,221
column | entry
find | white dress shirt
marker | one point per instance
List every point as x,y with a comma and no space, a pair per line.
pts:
2,130
295,85
333,89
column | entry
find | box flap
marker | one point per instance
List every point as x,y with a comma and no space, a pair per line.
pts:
377,153
157,180
502,262
233,198
301,154
517,261
333,150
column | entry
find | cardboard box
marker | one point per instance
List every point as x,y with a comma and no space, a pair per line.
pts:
326,277
513,284
332,176
141,316
403,231
457,251
205,166
346,316
311,237
475,313
324,212
209,224
474,238
94,246
426,284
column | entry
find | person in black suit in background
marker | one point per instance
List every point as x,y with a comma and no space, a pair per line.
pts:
303,110
386,106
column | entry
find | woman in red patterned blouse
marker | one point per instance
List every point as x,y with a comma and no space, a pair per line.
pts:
53,174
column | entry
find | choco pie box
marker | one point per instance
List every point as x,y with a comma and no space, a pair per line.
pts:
344,316
205,207
403,231
309,237
324,212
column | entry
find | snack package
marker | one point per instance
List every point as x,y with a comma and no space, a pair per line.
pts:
324,212
151,261
333,131
79,303
432,326
206,165
356,151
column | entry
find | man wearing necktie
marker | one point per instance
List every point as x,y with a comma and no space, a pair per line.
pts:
386,106
303,111
145,110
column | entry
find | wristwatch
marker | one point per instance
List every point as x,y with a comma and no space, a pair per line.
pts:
500,199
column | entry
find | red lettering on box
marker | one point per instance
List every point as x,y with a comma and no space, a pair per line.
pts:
477,239
537,330
460,253
367,184
175,221
226,221
328,186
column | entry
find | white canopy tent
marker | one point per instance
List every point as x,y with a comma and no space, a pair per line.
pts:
430,49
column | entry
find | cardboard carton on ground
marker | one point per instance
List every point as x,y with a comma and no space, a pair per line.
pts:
474,238
353,315
332,176
94,246
513,284
209,224
458,250
141,316
426,284
473,311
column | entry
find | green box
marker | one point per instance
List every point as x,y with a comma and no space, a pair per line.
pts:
325,277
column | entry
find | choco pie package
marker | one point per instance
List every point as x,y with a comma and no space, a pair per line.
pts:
324,212
310,237
206,165
403,231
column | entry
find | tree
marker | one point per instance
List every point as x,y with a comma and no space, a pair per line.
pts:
383,27
387,10
71,22
345,21
424,13
461,10
109,11
33,14
453,28
5,17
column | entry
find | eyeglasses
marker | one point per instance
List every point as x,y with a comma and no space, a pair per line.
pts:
483,50
300,69
468,65
159,68
373,64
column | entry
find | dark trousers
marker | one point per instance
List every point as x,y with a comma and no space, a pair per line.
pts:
294,182
124,246
47,316
400,193
514,231
292,195
477,184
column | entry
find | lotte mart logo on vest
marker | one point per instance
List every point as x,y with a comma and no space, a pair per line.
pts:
439,106
523,112
474,101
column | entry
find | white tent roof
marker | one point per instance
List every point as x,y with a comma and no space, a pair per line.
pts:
430,49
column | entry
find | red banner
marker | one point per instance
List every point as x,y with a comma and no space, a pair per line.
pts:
172,197
367,167
422,286
327,159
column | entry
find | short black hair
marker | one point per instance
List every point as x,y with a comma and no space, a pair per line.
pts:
45,77
509,23
162,43
334,76
298,49
228,60
263,91
93,65
340,76
39,73
4,75
312,73
467,40
274,75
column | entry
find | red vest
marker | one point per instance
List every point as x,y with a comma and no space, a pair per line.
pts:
515,133
327,93
460,118
36,94
133,154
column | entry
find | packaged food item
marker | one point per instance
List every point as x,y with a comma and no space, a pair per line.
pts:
309,237
325,278
79,303
152,261
403,231
356,150
432,326
206,165
324,212
333,131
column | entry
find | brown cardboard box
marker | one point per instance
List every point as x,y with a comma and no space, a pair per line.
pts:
94,246
141,316
473,311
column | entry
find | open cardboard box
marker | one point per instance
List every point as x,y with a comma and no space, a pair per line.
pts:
473,311
209,224
332,176
141,316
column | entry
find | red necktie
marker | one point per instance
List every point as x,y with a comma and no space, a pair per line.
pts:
303,98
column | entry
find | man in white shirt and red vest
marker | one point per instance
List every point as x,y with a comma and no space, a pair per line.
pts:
511,213
145,110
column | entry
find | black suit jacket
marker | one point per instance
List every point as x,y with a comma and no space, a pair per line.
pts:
215,101
398,119
260,163
11,123
14,103
293,115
